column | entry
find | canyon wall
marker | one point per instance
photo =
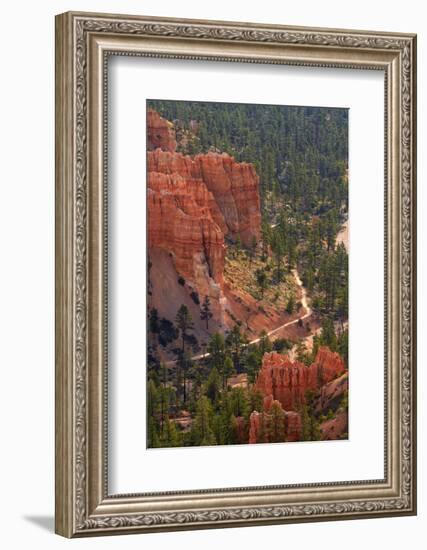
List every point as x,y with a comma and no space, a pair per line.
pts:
180,221
194,203
233,185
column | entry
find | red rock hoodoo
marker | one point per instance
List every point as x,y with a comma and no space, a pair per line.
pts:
259,426
255,432
160,132
293,426
287,381
241,436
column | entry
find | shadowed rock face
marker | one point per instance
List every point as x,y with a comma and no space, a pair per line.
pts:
235,188
193,204
336,428
330,395
288,381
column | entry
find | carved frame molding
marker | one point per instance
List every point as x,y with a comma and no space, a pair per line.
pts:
83,42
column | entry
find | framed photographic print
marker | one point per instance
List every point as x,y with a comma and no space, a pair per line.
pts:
235,274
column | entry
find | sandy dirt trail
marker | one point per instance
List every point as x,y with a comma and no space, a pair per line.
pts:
304,303
305,308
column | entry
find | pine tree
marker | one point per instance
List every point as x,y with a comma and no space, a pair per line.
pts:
264,343
342,346
290,306
302,355
153,440
252,249
205,312
170,436
233,430
228,370
277,423
328,337
202,432
253,363
216,350
256,400
164,395
240,402
261,278
152,399
278,248
184,323
154,321
266,239
264,429
224,433
310,425
185,363
234,342
213,385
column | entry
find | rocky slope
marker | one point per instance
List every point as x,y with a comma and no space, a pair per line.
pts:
330,395
194,203
335,428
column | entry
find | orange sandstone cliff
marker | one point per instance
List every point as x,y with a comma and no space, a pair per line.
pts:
233,186
194,203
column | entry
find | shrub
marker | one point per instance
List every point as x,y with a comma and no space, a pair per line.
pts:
195,297
281,344
168,333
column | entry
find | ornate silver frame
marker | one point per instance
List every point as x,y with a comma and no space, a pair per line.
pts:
83,42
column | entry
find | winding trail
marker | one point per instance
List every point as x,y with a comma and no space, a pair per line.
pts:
341,237
304,302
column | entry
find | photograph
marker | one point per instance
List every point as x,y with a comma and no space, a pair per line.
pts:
247,273
235,270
